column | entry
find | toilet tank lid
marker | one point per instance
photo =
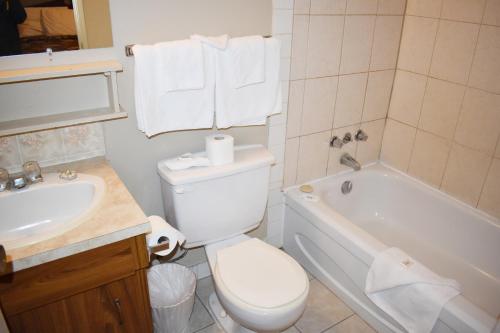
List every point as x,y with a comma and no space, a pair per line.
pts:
246,157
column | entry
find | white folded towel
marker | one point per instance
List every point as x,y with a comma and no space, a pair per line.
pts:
250,104
179,65
219,42
408,291
159,111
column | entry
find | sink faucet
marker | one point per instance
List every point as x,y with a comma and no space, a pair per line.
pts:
31,175
347,159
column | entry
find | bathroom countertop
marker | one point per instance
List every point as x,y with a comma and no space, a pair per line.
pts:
117,217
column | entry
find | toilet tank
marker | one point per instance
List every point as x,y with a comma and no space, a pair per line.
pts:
208,204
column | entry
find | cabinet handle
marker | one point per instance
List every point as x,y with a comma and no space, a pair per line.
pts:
119,309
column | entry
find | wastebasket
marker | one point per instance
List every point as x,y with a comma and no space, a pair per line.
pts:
171,292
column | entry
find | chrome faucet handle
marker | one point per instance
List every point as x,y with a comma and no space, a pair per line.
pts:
336,142
360,135
347,138
32,172
4,179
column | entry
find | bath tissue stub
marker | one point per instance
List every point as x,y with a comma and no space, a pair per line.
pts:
220,149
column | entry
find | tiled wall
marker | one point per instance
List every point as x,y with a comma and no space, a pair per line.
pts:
282,29
344,54
443,125
52,146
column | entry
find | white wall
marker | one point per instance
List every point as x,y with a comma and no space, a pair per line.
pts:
129,151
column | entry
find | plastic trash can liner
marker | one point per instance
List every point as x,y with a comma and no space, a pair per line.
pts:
171,292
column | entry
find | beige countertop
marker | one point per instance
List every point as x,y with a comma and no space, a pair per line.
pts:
117,217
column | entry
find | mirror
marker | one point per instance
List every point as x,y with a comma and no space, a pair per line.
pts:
33,26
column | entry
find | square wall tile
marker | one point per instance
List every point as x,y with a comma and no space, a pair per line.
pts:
325,44
492,12
83,139
427,8
319,99
417,43
479,123
429,158
291,161
485,73
407,97
465,173
397,144
9,154
350,99
357,44
282,21
295,103
369,150
278,151
282,4
45,147
313,156
391,7
299,47
463,10
441,107
361,7
378,95
277,135
455,43
386,42
328,7
490,196
301,6
335,154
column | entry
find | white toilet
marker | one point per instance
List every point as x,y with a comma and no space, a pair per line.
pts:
259,288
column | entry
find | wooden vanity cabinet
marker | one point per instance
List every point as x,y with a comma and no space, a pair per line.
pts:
100,290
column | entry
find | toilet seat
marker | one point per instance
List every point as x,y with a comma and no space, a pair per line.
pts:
260,275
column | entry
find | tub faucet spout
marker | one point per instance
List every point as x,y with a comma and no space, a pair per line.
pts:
348,160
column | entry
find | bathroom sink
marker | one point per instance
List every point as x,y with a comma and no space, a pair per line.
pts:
45,210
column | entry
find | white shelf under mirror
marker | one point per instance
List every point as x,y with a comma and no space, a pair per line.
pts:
42,122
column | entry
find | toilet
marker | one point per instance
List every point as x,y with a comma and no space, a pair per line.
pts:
258,288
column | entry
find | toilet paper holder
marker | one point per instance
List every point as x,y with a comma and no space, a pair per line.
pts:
163,244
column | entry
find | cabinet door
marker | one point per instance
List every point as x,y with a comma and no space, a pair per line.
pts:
120,306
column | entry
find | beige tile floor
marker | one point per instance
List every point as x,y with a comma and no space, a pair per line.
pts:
325,312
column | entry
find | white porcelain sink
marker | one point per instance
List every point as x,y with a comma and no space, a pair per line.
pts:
45,210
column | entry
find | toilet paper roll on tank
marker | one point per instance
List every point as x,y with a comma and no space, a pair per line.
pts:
219,150
163,238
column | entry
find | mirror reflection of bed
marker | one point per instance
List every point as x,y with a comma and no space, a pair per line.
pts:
65,25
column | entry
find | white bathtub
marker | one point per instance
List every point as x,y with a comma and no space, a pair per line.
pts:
336,237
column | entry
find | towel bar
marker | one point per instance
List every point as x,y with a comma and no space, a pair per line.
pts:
130,53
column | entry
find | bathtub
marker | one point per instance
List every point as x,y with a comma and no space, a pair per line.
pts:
336,236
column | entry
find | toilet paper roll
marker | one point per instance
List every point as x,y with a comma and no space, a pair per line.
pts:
161,233
220,149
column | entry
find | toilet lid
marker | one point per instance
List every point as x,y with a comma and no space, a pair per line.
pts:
260,274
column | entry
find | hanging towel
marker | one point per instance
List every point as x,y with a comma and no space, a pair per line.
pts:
247,58
219,42
408,291
159,111
180,65
250,104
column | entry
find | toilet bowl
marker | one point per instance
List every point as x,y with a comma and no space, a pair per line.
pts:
260,287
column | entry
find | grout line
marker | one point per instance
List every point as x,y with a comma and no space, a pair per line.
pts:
452,20
350,73
492,159
339,322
